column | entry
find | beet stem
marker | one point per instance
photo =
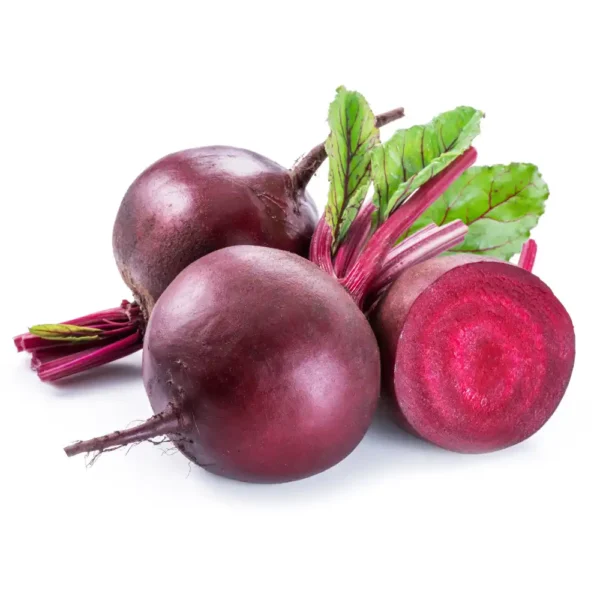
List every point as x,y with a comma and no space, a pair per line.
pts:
127,313
320,247
62,350
308,165
424,244
169,421
82,361
121,333
528,254
357,281
357,237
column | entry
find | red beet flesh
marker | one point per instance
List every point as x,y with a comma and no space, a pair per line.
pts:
476,353
262,366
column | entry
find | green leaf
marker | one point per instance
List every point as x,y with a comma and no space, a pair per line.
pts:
413,156
349,146
66,333
501,204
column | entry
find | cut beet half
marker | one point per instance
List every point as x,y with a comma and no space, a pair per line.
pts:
477,353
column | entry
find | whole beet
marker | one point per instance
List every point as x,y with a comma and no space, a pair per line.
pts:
258,365
476,352
194,202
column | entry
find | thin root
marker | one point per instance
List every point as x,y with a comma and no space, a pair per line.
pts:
92,457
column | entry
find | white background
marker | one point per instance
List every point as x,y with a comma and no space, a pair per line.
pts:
92,93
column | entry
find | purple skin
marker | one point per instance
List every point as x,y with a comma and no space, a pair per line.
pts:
259,367
194,202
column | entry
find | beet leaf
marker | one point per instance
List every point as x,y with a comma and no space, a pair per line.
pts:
65,332
349,145
413,156
501,204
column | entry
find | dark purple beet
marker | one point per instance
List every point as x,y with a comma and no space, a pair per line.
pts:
259,366
194,202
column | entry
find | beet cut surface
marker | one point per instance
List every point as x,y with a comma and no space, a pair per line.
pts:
476,353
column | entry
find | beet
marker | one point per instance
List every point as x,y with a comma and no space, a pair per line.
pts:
476,352
258,366
181,208
197,201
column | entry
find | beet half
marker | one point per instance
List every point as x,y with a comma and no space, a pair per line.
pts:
258,366
476,352
180,209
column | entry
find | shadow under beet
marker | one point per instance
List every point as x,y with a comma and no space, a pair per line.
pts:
385,448
385,451
110,376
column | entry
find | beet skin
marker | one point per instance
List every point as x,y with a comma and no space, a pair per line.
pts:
476,353
194,202
258,365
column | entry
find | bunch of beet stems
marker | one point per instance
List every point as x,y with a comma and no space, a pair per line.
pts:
368,260
115,333
104,336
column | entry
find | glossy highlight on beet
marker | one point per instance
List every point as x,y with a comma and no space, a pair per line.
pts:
476,353
258,366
